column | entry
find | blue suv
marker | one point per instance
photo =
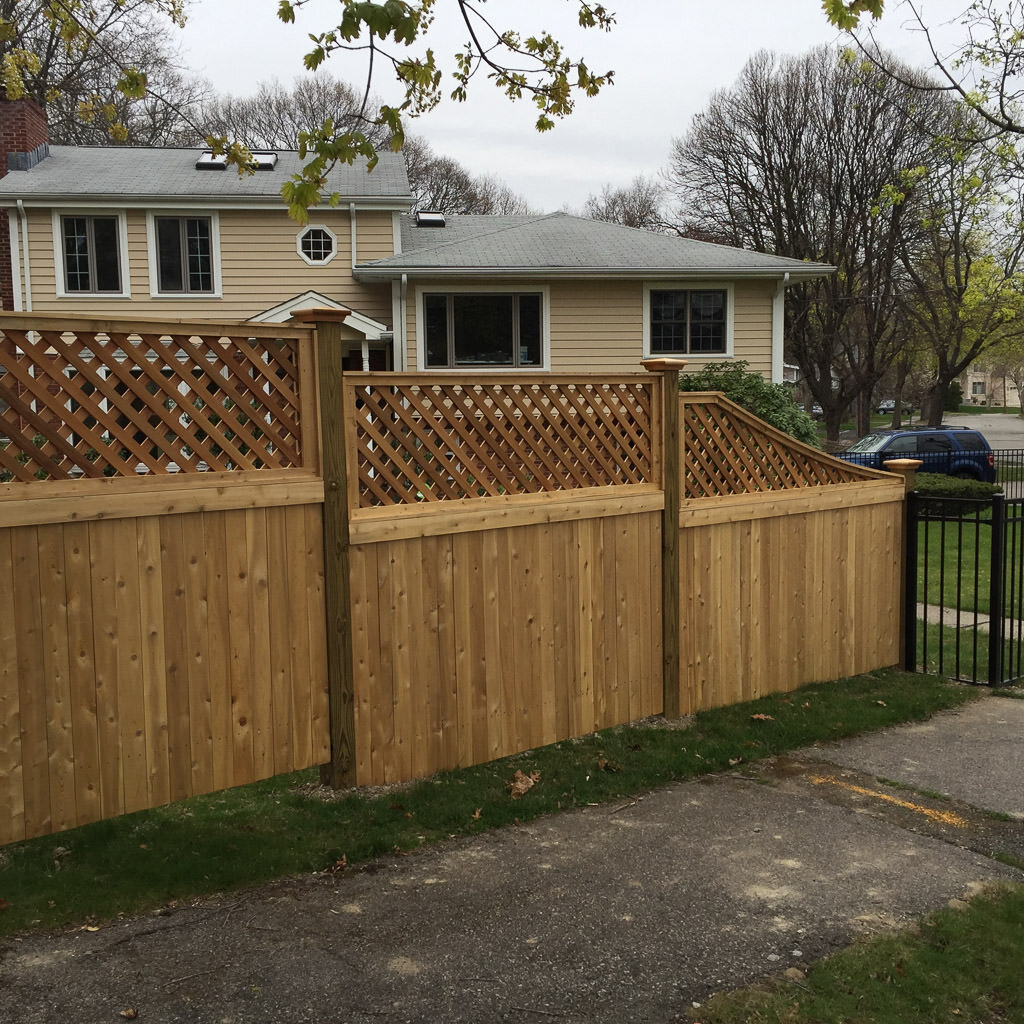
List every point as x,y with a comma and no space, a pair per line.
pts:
956,451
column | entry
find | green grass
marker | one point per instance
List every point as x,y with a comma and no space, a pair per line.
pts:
958,966
967,556
245,836
969,660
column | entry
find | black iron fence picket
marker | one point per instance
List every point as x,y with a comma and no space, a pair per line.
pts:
965,588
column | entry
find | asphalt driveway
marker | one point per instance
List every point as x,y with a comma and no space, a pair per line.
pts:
617,913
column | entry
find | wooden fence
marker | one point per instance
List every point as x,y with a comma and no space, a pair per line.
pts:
221,559
161,568
538,609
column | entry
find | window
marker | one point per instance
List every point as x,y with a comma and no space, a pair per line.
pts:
317,245
688,321
978,387
483,329
91,252
184,255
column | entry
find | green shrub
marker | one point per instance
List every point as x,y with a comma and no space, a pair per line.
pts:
940,485
772,403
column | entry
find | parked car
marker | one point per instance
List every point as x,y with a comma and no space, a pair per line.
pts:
956,451
887,407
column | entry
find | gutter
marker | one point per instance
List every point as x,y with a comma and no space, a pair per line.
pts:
369,272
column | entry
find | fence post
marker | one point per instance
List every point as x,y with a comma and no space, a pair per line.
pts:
997,584
340,772
672,487
908,468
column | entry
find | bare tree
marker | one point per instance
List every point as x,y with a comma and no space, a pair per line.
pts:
637,205
442,183
83,63
274,117
806,157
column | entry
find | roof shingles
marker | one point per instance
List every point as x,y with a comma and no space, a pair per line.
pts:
560,242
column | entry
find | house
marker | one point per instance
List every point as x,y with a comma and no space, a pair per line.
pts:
174,233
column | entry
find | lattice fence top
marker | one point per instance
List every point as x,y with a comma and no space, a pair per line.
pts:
419,440
136,399
726,450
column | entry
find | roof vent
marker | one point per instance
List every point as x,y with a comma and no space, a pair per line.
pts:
262,160
429,219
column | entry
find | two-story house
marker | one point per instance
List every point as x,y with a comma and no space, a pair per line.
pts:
173,233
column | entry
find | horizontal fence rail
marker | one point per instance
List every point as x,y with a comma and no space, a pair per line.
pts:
102,399
423,439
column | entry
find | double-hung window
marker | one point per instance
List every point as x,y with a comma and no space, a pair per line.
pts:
688,321
91,254
184,255
483,329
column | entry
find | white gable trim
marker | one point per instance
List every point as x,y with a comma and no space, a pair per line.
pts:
370,329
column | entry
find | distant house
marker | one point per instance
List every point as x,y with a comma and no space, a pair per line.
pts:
173,233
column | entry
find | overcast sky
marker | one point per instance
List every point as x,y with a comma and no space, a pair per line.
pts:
668,57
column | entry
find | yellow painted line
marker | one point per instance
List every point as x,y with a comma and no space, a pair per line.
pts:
946,817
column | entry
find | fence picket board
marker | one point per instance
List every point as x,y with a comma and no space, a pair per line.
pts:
218,672
173,560
279,724
12,781
56,677
262,704
131,708
154,658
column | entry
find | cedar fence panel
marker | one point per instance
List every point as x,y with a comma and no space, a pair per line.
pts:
162,627
477,644
150,659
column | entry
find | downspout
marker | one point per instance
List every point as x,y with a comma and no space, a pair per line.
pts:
778,329
352,231
23,221
404,349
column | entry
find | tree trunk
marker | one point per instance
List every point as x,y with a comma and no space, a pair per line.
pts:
934,405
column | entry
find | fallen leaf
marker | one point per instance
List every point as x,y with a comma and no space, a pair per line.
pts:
881,703
476,814
338,866
129,1013
3,903
521,783
91,928
762,718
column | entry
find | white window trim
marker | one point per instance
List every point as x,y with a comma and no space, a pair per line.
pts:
490,289
701,286
154,268
122,253
316,227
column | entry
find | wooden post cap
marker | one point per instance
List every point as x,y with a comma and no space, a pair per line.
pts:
323,314
907,468
662,364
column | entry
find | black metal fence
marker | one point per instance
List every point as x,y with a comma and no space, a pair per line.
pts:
1009,464
965,586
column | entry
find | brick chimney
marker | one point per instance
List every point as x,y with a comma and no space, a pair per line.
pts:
24,141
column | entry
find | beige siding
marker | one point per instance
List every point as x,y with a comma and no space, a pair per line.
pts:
259,266
375,235
597,326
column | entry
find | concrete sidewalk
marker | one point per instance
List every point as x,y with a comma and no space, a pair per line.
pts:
616,913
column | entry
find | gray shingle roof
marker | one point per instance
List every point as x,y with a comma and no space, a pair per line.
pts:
99,173
562,244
